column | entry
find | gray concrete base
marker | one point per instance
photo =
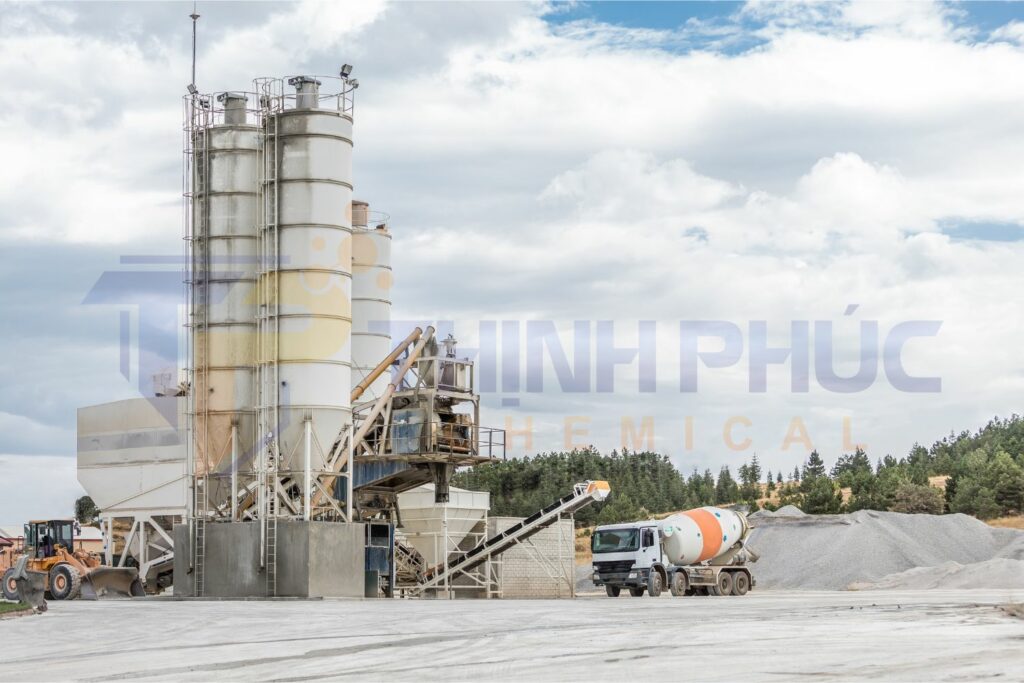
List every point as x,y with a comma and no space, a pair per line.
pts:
314,559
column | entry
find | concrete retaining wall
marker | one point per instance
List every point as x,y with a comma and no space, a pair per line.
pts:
314,559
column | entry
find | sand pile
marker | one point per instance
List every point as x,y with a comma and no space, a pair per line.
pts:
831,552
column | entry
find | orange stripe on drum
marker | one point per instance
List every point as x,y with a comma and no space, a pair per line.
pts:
710,532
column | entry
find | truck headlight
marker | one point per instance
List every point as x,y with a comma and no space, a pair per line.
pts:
632,575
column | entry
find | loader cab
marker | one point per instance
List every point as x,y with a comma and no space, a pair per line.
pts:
43,537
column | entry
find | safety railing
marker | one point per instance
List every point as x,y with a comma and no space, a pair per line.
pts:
443,373
408,435
334,93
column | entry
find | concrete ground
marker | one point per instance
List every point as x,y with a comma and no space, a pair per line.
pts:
764,636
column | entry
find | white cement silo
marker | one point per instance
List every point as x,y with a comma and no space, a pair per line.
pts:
371,297
307,286
225,182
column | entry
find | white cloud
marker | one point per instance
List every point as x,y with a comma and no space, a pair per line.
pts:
590,172
25,433
1012,32
919,19
37,487
613,185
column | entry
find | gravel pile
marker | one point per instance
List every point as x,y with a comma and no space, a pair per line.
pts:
831,552
999,572
784,511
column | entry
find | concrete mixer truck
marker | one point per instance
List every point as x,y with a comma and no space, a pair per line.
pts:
698,552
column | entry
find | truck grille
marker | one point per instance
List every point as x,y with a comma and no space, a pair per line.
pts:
613,567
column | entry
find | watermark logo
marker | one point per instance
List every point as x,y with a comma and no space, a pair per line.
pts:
517,359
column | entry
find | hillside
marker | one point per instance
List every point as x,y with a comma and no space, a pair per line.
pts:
979,474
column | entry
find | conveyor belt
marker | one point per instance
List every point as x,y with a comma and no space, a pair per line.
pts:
583,494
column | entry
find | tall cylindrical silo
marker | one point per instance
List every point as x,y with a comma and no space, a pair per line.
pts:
371,298
225,186
310,307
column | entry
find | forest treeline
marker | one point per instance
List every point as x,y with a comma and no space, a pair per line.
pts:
984,470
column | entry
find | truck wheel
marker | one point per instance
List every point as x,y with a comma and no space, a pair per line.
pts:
65,582
678,585
612,591
740,583
655,584
724,585
10,586
636,592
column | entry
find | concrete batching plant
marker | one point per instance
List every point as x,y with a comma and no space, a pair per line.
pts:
275,465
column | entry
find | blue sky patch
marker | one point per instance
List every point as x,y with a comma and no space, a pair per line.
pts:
715,17
983,231
654,15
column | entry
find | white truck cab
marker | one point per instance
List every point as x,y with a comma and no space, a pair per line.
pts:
625,556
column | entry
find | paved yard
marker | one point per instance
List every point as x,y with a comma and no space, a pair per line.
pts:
764,636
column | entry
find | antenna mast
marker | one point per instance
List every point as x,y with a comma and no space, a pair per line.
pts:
195,17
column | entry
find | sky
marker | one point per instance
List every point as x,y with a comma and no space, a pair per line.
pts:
589,168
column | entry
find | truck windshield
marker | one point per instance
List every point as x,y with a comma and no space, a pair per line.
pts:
615,540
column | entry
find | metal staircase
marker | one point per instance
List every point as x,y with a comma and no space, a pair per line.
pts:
583,494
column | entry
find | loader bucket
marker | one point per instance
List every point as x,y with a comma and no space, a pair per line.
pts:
31,585
109,582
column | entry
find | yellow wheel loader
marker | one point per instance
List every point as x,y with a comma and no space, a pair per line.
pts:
63,572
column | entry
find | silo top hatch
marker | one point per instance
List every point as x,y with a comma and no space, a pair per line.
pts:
307,92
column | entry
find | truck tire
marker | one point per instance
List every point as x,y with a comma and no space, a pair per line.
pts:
637,592
740,583
678,585
724,585
612,591
655,584
65,582
10,588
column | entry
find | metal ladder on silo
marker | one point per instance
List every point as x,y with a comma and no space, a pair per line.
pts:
200,240
272,557
267,379
583,494
271,531
200,557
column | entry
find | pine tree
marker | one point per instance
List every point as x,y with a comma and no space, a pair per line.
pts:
755,469
820,496
750,476
726,489
815,466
